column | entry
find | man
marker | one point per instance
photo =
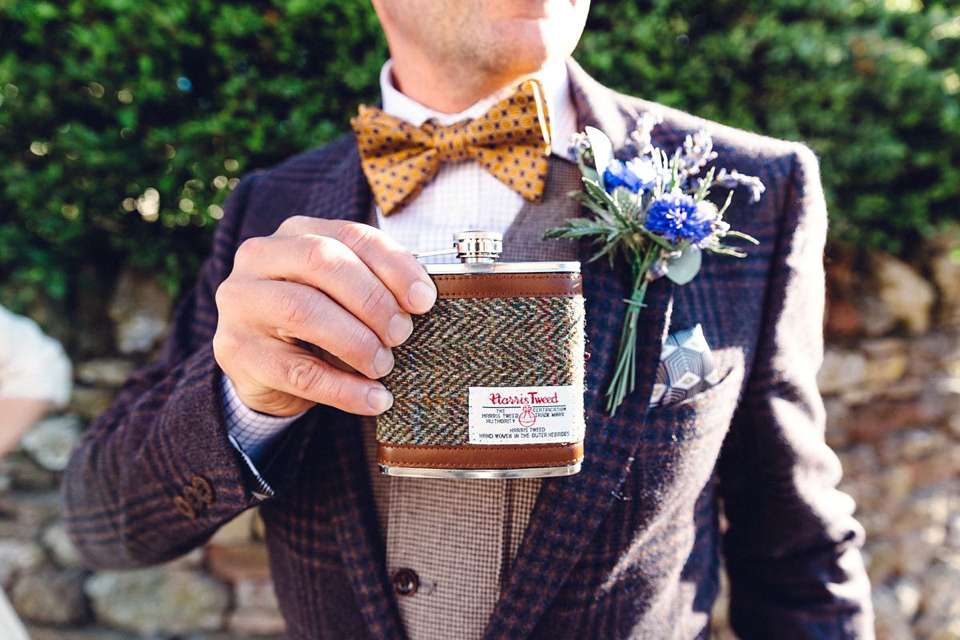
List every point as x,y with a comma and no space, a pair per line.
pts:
629,547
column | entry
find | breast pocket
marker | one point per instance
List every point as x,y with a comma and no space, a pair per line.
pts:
698,415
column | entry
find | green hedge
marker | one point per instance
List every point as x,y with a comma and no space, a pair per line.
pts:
871,85
123,123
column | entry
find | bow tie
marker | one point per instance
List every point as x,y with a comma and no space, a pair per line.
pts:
511,141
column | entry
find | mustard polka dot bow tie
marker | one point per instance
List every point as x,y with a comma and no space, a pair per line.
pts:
511,141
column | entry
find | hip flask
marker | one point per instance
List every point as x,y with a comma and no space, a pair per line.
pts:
490,383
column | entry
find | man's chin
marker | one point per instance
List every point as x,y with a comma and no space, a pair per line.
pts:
514,58
534,43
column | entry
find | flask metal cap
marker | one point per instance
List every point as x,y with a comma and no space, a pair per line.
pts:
475,247
478,251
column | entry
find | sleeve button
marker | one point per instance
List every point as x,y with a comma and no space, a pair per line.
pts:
201,490
183,506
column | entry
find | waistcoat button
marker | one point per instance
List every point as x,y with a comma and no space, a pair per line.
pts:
406,582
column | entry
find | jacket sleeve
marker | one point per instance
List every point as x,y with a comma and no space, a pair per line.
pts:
792,547
155,475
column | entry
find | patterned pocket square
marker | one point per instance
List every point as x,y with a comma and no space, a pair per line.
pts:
686,368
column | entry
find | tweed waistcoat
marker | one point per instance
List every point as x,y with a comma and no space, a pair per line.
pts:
460,536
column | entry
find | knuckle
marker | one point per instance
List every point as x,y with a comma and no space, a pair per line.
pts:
341,394
356,236
378,301
292,224
320,253
294,307
249,250
318,382
359,343
226,293
306,377
225,344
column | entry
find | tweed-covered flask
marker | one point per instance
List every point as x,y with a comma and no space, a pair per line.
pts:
490,383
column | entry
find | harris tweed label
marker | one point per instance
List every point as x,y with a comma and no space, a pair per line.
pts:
525,415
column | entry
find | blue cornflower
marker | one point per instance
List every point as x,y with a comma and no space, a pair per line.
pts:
636,175
676,217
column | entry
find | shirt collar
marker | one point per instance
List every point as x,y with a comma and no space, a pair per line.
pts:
556,91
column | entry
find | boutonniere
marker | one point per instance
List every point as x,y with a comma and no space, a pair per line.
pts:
651,210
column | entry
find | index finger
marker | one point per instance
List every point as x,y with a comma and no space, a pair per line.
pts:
396,267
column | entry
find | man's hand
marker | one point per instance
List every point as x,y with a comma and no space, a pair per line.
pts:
344,287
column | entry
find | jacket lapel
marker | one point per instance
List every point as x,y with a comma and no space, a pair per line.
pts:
343,194
354,518
569,510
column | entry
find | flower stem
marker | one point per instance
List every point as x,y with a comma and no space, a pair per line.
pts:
624,379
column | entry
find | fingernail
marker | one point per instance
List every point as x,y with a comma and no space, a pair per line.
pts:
422,296
400,328
383,362
379,399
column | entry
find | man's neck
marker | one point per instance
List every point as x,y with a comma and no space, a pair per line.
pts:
448,92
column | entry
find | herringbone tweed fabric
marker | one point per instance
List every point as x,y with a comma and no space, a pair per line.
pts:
628,548
478,342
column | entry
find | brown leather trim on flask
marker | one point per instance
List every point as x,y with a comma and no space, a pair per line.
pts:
479,456
508,285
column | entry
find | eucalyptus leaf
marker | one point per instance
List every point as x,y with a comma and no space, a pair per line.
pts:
602,151
683,269
588,172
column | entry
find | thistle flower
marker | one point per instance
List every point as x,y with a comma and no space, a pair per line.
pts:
578,145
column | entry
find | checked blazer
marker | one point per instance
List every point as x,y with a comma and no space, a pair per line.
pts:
630,547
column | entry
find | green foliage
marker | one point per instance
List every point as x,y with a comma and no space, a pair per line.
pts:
871,85
124,124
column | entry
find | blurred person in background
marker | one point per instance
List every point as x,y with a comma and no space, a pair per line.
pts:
35,378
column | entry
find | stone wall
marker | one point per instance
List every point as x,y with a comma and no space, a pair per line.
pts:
220,592
891,385
891,382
